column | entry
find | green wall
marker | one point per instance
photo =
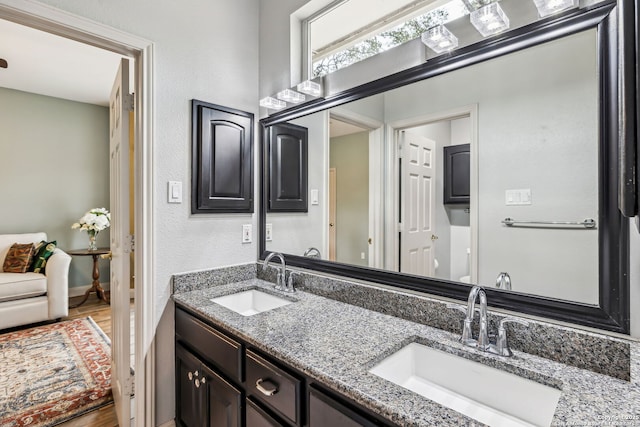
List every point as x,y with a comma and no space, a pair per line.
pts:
54,166
349,155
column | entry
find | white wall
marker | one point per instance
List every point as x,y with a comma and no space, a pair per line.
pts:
295,232
203,50
53,168
536,130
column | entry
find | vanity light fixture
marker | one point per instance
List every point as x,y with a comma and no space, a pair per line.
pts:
549,7
310,88
490,19
439,39
292,96
272,103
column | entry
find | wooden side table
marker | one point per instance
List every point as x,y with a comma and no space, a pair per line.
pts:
95,285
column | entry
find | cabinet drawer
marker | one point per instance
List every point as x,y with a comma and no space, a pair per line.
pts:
256,417
213,346
326,411
276,388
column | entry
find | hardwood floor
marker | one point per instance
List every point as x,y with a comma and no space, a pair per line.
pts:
101,314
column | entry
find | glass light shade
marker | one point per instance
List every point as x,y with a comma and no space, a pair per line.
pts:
292,96
490,19
310,88
272,103
549,7
439,39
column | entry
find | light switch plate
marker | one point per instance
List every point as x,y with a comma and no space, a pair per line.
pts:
314,197
174,192
247,233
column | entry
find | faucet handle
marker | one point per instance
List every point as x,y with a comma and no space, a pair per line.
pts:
290,287
457,307
511,320
502,344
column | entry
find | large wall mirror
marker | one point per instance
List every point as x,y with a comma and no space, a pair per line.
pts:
502,171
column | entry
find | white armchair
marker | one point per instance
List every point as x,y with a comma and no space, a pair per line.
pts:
33,297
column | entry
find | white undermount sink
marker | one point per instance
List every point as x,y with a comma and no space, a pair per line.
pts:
489,395
251,302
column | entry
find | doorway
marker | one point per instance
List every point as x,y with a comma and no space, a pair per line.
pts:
428,236
43,18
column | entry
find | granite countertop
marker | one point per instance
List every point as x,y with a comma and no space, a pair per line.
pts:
337,343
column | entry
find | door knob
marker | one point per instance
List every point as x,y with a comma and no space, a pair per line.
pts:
330,224
434,237
108,256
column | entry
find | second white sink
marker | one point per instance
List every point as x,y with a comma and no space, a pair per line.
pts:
486,394
251,302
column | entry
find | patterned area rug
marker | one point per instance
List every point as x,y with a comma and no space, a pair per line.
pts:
50,374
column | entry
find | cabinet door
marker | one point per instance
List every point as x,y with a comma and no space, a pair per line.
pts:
190,404
225,401
222,164
287,166
457,174
326,411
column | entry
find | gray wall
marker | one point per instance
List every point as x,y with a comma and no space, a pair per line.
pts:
54,166
539,131
349,155
295,232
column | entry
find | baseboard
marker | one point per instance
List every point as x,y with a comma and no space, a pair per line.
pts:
170,423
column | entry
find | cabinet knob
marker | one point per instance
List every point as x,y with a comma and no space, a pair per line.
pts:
195,374
197,383
190,376
203,380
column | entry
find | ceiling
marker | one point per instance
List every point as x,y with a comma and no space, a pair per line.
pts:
46,64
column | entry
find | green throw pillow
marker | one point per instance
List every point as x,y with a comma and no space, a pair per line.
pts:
42,253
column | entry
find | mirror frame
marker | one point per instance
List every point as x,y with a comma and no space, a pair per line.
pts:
617,161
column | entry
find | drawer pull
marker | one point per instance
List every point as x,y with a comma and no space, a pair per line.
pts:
266,392
190,376
197,382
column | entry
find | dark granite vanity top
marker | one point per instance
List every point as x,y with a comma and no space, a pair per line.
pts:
337,343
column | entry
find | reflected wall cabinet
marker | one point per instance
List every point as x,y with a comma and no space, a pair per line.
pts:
222,154
287,168
457,176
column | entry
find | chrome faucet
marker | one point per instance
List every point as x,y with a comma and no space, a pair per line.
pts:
501,347
503,281
281,277
467,334
312,253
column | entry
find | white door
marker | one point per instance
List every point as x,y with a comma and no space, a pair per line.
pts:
121,102
417,202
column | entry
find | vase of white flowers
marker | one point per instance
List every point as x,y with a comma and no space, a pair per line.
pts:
93,222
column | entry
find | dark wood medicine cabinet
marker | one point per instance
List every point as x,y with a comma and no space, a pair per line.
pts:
617,46
222,159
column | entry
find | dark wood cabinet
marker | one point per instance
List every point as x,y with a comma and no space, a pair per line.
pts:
190,401
224,401
327,411
287,168
204,398
222,159
457,174
263,392
257,417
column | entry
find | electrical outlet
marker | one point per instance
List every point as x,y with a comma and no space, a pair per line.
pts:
268,232
247,233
